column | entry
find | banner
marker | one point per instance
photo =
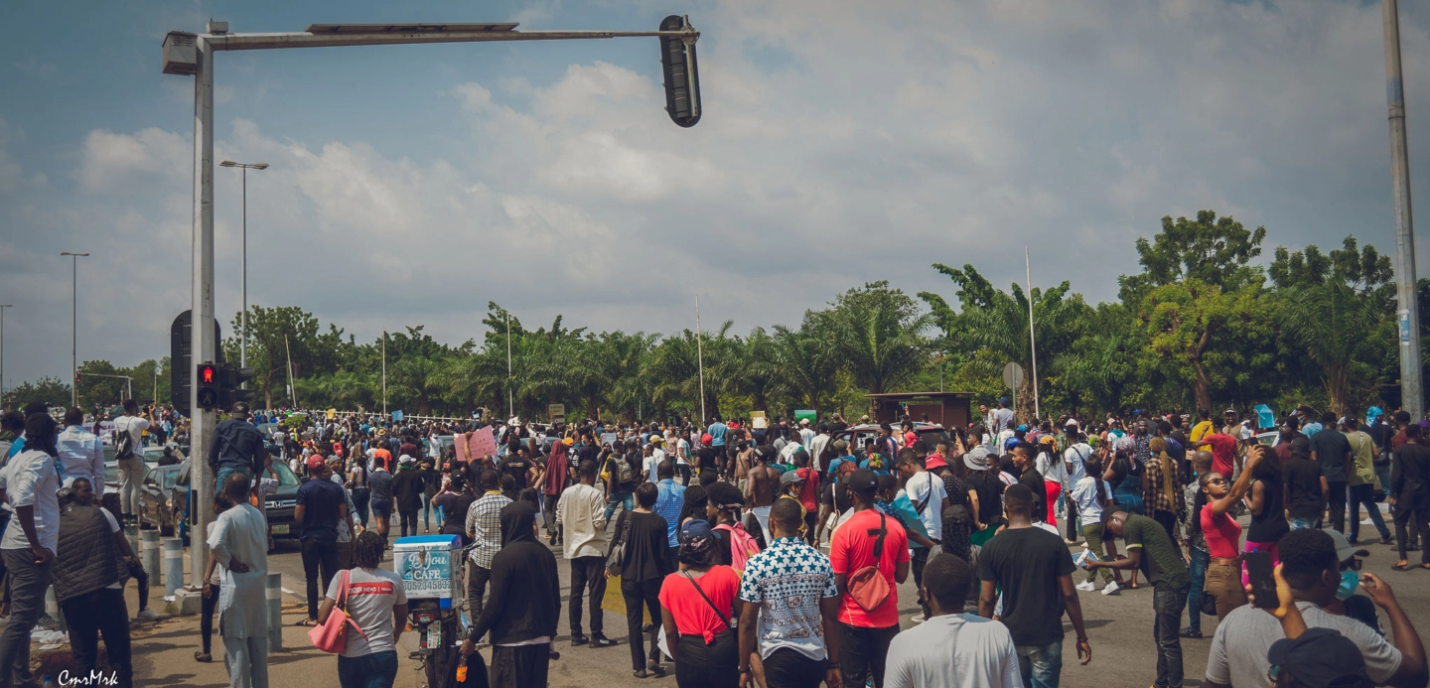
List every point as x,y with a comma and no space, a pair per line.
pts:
482,443
803,415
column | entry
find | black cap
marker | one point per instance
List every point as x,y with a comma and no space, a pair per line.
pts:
862,481
239,408
1320,658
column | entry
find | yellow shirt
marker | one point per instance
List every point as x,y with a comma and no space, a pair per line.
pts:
1199,431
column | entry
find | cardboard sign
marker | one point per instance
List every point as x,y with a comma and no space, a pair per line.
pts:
556,412
459,441
482,443
397,416
332,413
758,420
608,438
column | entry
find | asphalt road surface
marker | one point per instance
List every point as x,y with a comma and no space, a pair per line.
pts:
1119,627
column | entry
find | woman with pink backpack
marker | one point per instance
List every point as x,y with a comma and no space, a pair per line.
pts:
734,545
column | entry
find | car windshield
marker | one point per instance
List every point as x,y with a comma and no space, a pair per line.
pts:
285,476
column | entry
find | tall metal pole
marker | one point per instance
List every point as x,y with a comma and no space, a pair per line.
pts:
243,281
3,306
201,424
700,357
1032,342
74,324
384,372
510,398
1412,396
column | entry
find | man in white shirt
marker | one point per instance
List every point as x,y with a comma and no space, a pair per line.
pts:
81,453
806,435
1077,452
29,484
239,543
817,444
582,511
680,449
951,648
652,460
131,467
925,491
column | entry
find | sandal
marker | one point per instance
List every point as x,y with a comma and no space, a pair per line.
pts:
307,622
1400,567
203,657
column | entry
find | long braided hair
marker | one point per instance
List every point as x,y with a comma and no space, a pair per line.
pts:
1169,469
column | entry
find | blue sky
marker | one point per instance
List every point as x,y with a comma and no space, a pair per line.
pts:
842,142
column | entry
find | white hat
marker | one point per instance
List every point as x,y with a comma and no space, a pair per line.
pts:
1072,423
404,459
804,421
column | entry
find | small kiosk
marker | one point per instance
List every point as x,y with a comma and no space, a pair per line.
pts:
949,409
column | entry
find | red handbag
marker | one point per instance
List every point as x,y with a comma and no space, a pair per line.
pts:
332,636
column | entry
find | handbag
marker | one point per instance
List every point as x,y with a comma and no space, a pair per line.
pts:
616,558
332,635
1207,604
867,585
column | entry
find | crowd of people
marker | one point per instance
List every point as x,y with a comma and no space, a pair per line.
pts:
772,551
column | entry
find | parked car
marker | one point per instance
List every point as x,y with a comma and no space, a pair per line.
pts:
161,500
930,433
279,505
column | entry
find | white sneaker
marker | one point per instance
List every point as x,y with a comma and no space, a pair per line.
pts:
918,618
147,615
1086,586
1111,588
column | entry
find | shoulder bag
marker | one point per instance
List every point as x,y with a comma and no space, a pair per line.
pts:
616,558
332,635
867,585
723,616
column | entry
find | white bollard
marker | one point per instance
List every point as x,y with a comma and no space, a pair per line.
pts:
274,594
149,555
173,566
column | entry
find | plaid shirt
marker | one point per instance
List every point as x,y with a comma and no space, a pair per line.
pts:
484,525
1155,496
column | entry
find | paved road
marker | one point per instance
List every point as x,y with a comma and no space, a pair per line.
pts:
1120,628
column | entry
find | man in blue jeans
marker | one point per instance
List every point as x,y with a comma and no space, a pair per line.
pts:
1197,547
1151,550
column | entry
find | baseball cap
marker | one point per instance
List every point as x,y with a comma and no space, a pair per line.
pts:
1320,658
862,481
804,421
1072,423
934,461
239,408
1344,549
405,459
316,461
791,477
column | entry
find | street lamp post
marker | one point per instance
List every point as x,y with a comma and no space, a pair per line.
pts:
3,306
74,323
243,262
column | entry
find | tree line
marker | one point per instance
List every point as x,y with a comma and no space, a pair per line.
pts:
1205,324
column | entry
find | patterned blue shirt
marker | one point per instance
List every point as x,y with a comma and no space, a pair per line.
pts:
668,505
788,580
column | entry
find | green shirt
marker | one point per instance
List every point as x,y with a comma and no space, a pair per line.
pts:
1162,562
1363,468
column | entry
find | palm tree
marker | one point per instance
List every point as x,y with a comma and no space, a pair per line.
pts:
751,367
878,335
421,379
807,363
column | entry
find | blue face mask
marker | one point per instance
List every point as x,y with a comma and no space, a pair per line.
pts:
1350,581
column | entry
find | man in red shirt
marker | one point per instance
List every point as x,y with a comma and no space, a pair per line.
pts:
868,538
1223,451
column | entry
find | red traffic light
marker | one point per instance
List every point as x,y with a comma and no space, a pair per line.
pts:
207,374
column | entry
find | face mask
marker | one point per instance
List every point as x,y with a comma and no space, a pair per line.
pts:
1350,580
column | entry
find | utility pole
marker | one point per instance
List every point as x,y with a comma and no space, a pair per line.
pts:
510,397
243,262
74,324
700,357
1411,395
3,306
384,372
1032,342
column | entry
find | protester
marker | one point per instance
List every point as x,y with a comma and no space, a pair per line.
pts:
555,478
697,604
376,602
80,451
454,502
239,542
431,485
790,606
213,582
525,604
237,447
1332,452
483,527
380,484
644,538
1265,501
29,483
581,515
1032,569
1409,495
869,612
1304,484
321,504
1093,496
1212,520
668,503
952,648
90,567
1154,552
407,487
761,492
927,493
1361,482
623,473
1311,570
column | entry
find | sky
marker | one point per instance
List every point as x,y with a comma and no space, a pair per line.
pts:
842,142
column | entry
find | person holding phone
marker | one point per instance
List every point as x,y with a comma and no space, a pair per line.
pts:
1212,519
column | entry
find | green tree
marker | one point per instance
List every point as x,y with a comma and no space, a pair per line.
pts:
878,334
1213,250
1184,318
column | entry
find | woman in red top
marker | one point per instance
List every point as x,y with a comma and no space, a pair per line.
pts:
696,605
1223,533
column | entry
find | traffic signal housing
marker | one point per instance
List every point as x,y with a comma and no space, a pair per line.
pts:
682,78
231,379
207,376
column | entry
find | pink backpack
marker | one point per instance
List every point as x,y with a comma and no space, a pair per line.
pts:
742,545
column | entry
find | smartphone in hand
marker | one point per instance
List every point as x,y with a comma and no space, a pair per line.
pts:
1263,579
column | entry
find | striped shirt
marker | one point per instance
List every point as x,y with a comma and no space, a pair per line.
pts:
484,526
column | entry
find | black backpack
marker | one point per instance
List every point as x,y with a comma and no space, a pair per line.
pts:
123,444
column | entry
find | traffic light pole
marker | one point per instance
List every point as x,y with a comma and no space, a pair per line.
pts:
317,36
